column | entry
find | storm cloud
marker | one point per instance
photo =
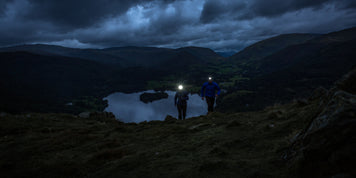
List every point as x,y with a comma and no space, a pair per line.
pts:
228,25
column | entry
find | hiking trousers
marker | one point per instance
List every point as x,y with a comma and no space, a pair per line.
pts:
182,110
210,101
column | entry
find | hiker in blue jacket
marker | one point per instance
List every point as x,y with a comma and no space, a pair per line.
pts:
180,100
208,91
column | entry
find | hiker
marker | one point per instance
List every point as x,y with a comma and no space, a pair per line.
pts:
208,91
180,100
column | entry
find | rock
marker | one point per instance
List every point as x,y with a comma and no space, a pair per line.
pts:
84,115
341,105
326,148
149,97
330,140
170,118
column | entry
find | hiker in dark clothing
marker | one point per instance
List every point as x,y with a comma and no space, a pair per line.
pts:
180,100
208,91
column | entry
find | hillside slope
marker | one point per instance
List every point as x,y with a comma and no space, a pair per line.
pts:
269,46
333,49
293,72
306,138
39,83
30,82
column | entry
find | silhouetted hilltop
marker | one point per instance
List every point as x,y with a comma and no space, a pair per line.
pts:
335,37
129,56
269,46
52,50
204,54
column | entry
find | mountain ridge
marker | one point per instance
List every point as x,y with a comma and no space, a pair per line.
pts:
293,71
116,55
249,85
268,46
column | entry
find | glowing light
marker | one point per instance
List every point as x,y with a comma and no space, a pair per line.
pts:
180,87
210,78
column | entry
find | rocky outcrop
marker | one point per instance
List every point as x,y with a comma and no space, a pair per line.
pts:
348,82
327,147
170,119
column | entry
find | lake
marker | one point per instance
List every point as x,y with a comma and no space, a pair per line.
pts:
129,108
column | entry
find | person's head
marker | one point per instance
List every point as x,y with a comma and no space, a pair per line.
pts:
180,87
210,80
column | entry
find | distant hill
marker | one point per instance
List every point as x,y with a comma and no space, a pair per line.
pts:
44,77
52,50
149,57
269,46
334,37
276,70
226,54
204,54
329,50
163,57
293,71
32,82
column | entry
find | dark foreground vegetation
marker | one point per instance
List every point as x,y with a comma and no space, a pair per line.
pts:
313,137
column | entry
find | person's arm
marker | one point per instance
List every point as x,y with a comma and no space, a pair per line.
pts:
186,96
175,99
217,88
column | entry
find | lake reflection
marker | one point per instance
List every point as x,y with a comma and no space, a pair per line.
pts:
129,108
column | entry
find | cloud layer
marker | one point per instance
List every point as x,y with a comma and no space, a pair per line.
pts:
228,25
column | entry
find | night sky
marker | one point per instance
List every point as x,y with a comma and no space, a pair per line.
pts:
228,25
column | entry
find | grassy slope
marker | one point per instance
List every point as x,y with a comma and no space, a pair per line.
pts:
236,145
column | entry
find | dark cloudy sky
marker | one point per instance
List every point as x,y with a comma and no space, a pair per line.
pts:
222,25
